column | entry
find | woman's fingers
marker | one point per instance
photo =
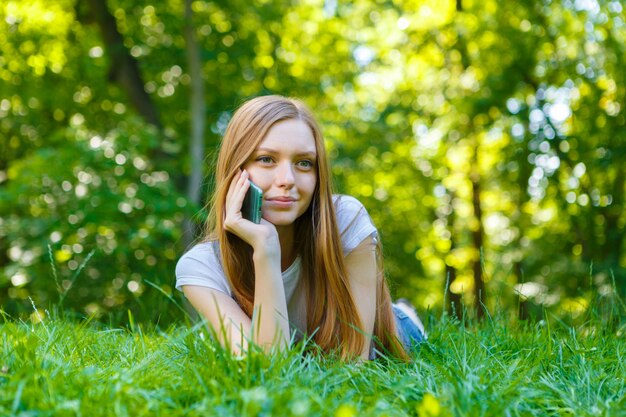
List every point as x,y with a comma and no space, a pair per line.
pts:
236,193
254,234
240,192
234,221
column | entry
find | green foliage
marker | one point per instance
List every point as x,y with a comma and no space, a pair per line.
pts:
64,367
101,194
427,110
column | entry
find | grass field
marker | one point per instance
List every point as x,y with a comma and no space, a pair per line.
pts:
496,368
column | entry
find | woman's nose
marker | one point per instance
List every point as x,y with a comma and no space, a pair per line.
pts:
285,176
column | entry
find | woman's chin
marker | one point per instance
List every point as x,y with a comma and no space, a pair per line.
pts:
281,220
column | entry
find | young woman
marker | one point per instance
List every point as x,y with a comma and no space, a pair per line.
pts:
311,267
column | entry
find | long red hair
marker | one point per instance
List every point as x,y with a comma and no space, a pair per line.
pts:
332,316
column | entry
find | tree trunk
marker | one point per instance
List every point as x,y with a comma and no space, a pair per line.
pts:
477,241
453,303
124,67
522,309
198,123
454,300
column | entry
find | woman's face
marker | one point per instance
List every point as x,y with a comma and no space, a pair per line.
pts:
284,166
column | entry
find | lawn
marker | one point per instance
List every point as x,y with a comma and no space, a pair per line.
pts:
61,367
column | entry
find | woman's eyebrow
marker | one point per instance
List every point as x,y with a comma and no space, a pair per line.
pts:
311,153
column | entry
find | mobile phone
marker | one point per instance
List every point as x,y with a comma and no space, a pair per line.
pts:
251,207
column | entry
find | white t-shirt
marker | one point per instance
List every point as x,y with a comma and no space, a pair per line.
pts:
201,265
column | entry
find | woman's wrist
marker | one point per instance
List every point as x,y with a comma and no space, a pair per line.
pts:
267,247
266,254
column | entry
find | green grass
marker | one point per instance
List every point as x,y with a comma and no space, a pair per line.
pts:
68,368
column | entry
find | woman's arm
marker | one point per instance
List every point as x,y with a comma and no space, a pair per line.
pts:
232,325
224,316
269,325
362,273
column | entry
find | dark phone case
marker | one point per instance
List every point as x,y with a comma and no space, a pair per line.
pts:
251,208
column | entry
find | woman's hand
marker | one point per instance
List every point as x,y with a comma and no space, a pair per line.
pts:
262,237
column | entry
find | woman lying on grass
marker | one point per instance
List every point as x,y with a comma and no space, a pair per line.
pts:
311,267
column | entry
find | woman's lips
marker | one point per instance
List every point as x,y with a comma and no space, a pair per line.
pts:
281,202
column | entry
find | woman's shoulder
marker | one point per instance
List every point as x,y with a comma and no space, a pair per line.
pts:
201,266
203,248
202,256
347,203
353,221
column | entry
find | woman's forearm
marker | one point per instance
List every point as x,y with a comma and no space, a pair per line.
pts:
270,320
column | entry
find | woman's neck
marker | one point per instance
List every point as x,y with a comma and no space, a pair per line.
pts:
287,246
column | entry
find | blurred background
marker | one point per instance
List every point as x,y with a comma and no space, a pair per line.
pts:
486,139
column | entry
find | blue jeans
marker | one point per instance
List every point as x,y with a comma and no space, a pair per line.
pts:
409,332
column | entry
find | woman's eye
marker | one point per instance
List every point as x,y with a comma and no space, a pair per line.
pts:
264,159
305,164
